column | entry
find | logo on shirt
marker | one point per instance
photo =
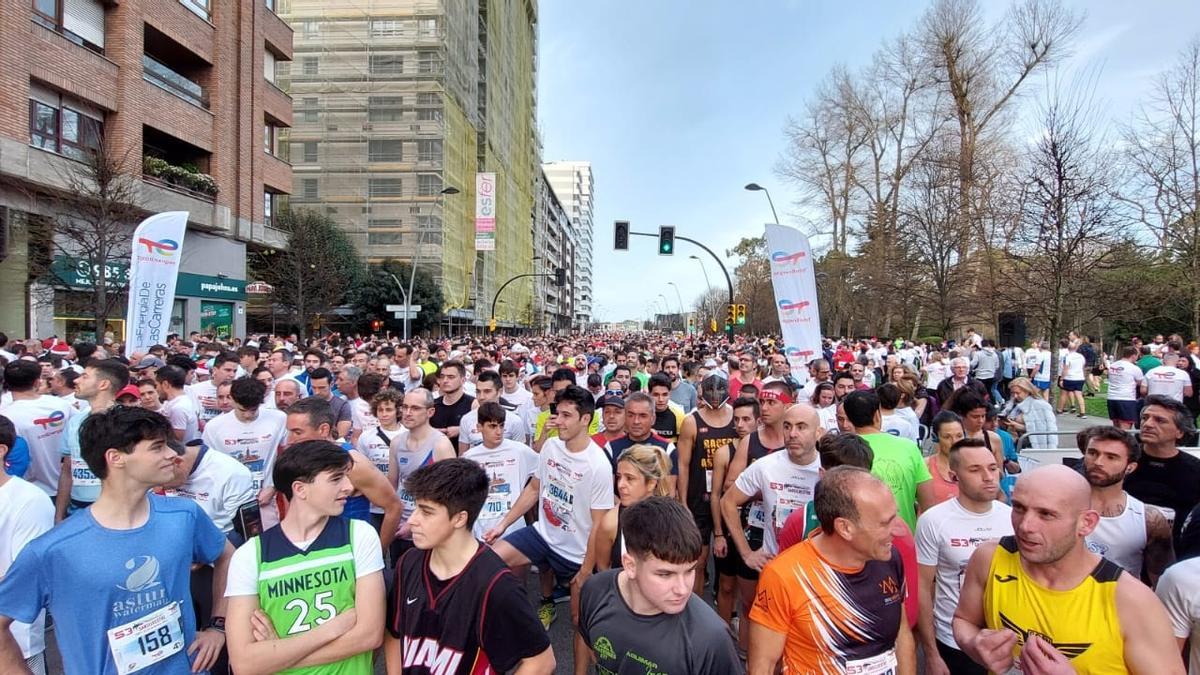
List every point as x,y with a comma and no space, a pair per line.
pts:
604,648
53,421
890,588
143,575
1067,649
1008,578
145,591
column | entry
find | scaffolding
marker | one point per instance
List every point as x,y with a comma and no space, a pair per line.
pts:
396,100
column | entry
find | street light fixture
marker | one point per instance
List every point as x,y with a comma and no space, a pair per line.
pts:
412,268
755,187
707,283
677,296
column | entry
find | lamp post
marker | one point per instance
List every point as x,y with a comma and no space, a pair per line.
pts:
666,305
755,187
412,268
678,297
707,283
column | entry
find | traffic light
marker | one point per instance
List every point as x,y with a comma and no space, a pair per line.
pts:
691,325
730,316
741,315
492,325
560,277
621,235
376,325
666,240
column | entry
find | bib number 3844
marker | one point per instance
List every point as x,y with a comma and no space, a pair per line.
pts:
148,640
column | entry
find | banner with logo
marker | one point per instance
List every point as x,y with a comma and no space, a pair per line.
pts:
795,284
485,212
153,270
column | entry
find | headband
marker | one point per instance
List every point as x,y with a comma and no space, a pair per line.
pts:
772,395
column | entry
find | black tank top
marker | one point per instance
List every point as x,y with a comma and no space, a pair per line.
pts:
708,440
755,451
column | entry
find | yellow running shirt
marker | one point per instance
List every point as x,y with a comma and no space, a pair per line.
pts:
1081,623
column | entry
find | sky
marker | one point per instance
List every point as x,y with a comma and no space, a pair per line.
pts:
680,103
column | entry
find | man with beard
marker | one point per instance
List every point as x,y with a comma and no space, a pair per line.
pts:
1130,533
1041,601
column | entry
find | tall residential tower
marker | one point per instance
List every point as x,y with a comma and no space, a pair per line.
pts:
572,184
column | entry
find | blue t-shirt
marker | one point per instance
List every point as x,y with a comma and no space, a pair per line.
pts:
93,579
85,487
16,462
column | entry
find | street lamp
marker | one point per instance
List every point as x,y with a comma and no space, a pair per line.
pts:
755,187
704,269
677,296
412,268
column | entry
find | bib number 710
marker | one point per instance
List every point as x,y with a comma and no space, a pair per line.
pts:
320,603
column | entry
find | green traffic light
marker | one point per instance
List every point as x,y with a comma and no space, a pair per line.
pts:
666,248
727,326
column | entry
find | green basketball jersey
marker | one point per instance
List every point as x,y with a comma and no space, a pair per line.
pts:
300,590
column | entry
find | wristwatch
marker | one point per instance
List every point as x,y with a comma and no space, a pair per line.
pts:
217,623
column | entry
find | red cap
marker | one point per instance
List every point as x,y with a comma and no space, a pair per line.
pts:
130,390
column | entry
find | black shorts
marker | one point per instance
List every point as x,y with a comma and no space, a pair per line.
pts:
1122,411
754,537
702,514
1072,385
731,563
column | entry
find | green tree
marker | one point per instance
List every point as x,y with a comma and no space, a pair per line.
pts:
378,288
314,273
752,286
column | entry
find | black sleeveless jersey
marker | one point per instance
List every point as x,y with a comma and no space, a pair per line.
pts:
708,440
475,623
755,450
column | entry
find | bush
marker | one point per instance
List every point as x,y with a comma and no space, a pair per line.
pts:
185,176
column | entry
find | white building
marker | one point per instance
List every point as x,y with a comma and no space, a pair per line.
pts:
572,184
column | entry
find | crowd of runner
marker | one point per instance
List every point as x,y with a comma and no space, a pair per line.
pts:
277,505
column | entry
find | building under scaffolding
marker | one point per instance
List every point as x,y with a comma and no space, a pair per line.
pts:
398,100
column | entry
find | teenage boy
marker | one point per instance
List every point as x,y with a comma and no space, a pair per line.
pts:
573,486
116,575
509,465
645,612
456,608
307,594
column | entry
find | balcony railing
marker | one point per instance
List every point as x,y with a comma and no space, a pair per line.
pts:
159,74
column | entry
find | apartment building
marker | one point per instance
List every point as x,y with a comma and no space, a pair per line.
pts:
399,105
572,183
183,95
555,246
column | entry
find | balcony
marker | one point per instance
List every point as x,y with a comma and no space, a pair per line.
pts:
159,74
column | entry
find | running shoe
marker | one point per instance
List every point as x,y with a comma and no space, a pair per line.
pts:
547,611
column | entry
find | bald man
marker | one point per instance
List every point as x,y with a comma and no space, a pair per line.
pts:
1041,600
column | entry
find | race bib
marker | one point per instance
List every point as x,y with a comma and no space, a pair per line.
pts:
880,664
81,475
707,481
756,517
146,641
782,511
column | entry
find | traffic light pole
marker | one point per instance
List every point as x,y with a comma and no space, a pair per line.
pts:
728,281
501,289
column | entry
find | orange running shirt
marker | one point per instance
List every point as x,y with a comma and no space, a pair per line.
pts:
836,620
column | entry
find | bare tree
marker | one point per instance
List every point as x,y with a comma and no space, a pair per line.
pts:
1070,220
86,244
1164,159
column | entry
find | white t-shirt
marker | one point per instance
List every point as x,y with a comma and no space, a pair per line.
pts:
360,414
375,444
254,444
1123,380
509,466
947,535
182,414
519,398
1043,366
1179,591
204,400
219,485
828,418
41,422
25,515
572,484
1167,381
468,428
1073,365
934,374
897,424
243,568
784,487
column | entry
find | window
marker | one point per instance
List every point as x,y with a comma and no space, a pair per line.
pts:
311,29
384,224
428,184
429,222
383,187
384,108
271,5
427,62
62,128
384,151
271,139
310,151
429,98
201,9
427,28
429,115
80,21
385,238
387,64
429,151
308,188
269,66
268,207
310,109
309,65
387,28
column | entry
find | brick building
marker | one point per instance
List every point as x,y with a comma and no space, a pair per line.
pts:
182,93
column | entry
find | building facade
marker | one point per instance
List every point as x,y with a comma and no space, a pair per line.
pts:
554,246
177,94
399,102
572,183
